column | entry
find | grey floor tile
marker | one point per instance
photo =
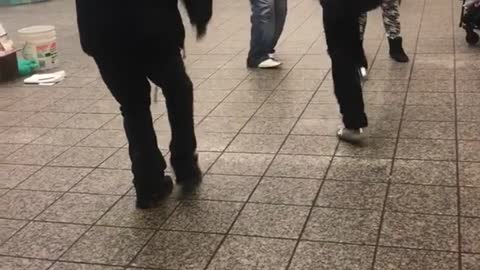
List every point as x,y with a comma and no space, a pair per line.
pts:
43,240
330,256
9,263
426,149
254,84
45,119
359,169
470,235
280,110
85,120
78,208
468,130
236,109
431,86
428,130
203,216
81,266
425,172
256,143
21,135
63,137
8,227
105,138
423,199
470,261
406,259
259,125
468,113
268,220
469,174
125,214
429,113
84,157
107,245
68,105
12,175
384,98
21,204
119,160
321,111
283,96
299,85
310,145
384,112
324,127
343,225
238,253
374,148
467,85
225,188
420,231
468,99
352,195
222,124
286,191
469,150
35,154
6,149
216,142
173,250
242,164
54,179
105,181
299,166
386,85
430,99
470,202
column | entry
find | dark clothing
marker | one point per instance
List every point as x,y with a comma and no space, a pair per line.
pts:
127,78
132,45
340,19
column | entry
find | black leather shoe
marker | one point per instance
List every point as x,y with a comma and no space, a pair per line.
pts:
397,52
151,193
187,172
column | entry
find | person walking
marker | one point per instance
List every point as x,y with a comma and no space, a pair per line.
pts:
132,44
391,22
340,21
268,19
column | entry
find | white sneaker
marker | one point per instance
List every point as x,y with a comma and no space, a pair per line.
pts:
355,136
269,63
272,56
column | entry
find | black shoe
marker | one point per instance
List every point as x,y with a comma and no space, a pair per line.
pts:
187,171
149,194
396,50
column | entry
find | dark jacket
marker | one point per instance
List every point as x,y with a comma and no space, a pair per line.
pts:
105,23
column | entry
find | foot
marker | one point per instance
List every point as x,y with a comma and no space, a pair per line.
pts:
397,52
188,173
150,194
355,136
269,64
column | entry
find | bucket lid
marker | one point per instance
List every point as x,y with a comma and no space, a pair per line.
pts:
36,29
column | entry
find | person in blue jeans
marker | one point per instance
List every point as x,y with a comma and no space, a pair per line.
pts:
268,19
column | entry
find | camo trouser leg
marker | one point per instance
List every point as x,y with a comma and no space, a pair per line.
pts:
391,19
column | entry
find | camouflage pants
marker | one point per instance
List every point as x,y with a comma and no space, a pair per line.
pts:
391,19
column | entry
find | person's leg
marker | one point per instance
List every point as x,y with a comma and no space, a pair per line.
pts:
281,7
178,91
342,31
363,25
129,85
391,21
262,32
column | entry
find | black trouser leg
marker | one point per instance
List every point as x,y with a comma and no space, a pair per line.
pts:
178,91
129,85
343,41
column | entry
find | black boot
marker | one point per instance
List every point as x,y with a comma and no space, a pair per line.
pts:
396,50
187,171
152,192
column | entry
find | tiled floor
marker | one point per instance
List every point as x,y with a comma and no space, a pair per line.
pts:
280,191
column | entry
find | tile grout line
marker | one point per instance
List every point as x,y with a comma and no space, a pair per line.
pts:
396,147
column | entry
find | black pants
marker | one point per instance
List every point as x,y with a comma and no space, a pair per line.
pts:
344,46
126,74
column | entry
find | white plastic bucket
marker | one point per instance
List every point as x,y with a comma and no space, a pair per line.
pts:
40,45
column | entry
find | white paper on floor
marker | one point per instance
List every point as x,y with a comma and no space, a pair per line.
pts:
46,78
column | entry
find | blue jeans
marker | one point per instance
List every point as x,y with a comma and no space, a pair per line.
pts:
268,19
